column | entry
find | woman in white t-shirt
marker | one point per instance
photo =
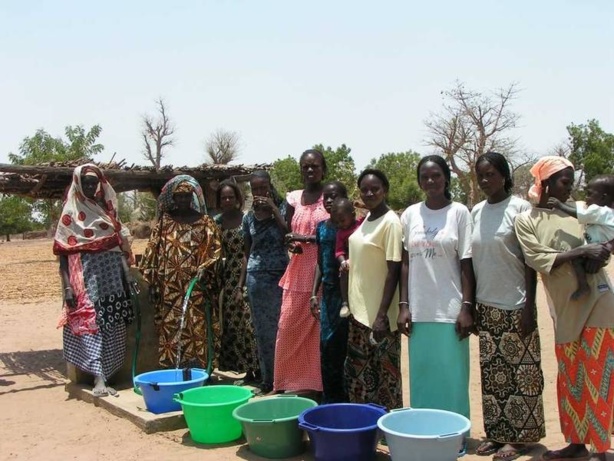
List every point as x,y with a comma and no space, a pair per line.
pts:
510,359
437,292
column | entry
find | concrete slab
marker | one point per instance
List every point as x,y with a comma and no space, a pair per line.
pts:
129,405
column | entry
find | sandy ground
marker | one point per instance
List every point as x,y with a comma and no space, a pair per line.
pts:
40,422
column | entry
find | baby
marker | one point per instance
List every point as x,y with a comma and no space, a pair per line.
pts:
598,216
343,216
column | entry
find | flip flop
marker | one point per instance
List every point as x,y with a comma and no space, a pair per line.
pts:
100,392
488,447
555,455
514,453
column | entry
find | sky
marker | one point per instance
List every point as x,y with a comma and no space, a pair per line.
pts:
287,75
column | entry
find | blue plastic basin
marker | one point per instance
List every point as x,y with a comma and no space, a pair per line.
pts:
159,387
343,431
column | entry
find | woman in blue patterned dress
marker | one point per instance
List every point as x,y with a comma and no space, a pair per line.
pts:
265,261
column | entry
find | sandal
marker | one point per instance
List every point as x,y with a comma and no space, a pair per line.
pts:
564,455
488,447
514,452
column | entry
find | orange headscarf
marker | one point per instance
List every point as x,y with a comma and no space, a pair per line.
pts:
543,169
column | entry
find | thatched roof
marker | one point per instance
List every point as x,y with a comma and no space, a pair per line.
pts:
51,179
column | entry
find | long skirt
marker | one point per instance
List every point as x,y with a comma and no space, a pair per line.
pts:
297,350
373,372
585,387
512,379
438,368
333,344
265,295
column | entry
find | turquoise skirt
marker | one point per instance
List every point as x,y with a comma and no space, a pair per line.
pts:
438,368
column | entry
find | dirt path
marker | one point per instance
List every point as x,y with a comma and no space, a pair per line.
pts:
40,422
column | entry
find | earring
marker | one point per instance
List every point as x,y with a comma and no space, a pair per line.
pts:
547,190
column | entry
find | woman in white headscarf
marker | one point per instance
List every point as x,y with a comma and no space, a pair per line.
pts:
93,247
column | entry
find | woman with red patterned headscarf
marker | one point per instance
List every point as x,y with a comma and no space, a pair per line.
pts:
92,244
583,328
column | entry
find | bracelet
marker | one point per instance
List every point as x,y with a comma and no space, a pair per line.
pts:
469,303
67,288
403,302
313,297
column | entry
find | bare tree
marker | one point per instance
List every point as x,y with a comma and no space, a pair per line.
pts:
222,146
157,135
470,125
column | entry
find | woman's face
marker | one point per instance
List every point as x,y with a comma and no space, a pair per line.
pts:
560,184
372,191
228,199
489,179
182,200
312,169
89,184
260,186
432,180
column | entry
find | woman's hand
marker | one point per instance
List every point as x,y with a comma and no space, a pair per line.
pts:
292,238
464,322
596,252
381,327
69,298
314,306
404,323
264,202
527,319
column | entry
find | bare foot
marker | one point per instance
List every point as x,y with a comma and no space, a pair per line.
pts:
100,390
582,290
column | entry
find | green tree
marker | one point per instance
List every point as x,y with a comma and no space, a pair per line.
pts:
15,216
44,148
592,149
286,172
400,168
286,175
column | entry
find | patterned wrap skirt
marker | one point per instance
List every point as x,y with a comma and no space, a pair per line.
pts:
585,387
512,379
373,373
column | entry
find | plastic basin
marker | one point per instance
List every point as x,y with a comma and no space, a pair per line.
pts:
420,434
270,425
343,431
159,387
208,412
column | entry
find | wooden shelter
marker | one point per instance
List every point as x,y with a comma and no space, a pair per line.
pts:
50,180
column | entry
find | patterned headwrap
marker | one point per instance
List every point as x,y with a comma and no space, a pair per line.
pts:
543,169
86,224
182,183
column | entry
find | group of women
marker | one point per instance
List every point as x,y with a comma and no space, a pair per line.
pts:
437,274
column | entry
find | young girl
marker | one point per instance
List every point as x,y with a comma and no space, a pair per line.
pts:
333,328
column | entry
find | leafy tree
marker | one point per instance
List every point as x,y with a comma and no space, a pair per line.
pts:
286,175
471,124
400,168
286,172
43,147
592,149
341,166
15,216
222,147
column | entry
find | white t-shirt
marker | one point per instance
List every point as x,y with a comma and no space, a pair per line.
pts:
599,221
497,257
436,241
